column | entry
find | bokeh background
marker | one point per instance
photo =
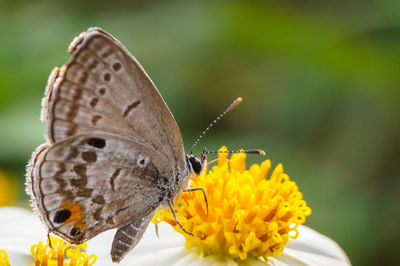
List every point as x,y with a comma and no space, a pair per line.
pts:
320,82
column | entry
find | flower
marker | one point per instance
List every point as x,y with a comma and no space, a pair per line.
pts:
20,228
249,215
8,189
251,221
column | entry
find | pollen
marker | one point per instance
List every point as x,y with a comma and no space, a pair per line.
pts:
61,254
252,212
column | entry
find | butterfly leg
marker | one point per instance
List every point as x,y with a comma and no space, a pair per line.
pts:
156,226
176,219
199,189
127,237
48,239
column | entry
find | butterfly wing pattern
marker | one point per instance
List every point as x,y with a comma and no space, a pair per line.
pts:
114,152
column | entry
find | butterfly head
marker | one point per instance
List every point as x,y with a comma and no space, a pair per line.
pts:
196,163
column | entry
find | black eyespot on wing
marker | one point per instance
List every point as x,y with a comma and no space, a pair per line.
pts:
61,216
75,231
196,165
97,142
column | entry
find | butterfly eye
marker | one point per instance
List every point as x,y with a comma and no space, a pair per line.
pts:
195,165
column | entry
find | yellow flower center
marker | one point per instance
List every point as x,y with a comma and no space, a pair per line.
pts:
249,214
61,254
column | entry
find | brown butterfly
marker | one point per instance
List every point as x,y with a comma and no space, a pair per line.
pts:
114,153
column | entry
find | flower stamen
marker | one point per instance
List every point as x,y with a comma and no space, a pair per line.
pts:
61,253
249,214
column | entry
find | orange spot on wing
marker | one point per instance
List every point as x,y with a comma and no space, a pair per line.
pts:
76,214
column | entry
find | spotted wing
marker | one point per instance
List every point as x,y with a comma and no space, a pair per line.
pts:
103,88
87,184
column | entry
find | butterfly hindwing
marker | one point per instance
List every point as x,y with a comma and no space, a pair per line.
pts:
87,184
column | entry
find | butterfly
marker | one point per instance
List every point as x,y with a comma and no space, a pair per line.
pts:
114,152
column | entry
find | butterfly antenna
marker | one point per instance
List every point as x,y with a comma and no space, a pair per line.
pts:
258,152
230,108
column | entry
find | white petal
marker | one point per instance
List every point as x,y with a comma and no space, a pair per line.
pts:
311,248
149,250
19,230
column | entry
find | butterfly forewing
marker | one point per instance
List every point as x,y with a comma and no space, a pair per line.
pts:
104,89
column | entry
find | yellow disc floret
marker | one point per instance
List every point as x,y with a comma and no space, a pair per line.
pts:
61,254
250,214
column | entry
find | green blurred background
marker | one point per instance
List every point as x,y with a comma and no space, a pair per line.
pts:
320,82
